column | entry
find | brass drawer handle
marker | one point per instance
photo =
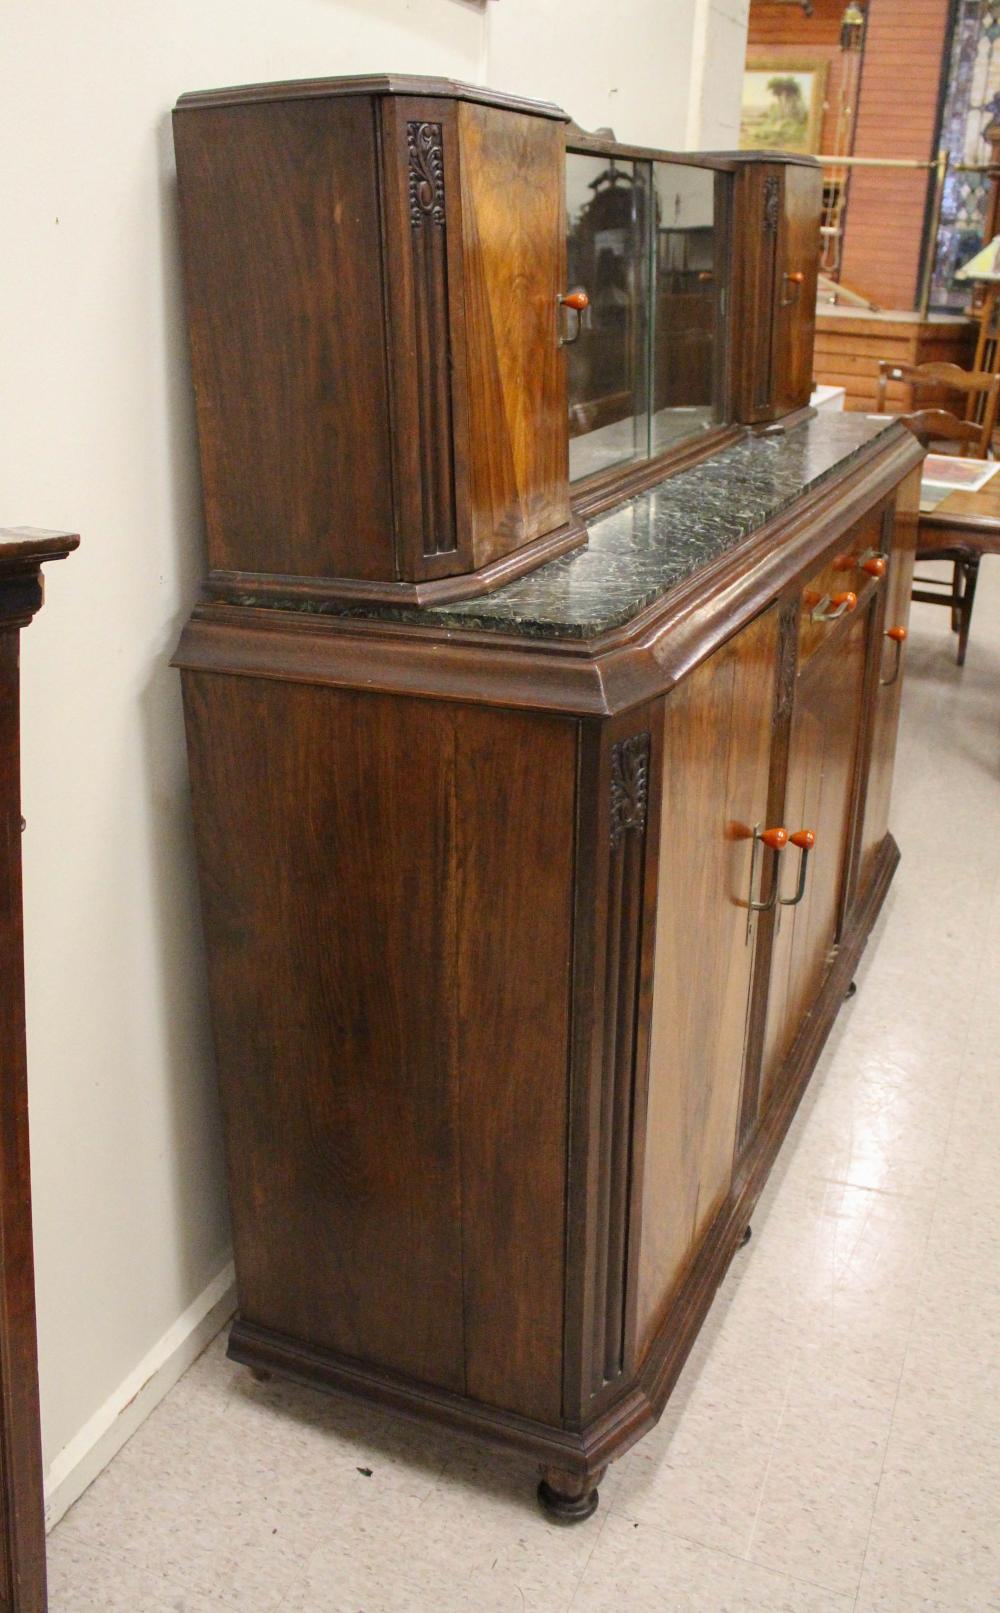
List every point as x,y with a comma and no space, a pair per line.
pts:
898,636
805,839
831,609
874,562
578,301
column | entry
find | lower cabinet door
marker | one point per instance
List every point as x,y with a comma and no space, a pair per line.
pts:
891,658
820,795
716,759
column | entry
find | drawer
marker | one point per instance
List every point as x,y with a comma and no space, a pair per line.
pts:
852,575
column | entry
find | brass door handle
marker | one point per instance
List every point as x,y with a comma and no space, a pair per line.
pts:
898,635
805,839
578,301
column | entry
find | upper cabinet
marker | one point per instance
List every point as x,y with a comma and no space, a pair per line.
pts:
778,205
433,327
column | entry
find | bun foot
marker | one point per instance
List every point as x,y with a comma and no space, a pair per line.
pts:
568,1498
748,1234
261,1374
849,993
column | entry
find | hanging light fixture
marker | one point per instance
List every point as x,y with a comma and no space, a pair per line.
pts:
852,26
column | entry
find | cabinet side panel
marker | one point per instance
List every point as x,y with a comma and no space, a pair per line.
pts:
717,742
283,266
514,248
515,828
324,823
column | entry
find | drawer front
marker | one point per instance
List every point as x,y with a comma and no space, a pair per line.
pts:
843,586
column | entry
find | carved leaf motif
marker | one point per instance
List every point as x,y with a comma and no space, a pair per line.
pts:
629,785
423,141
772,195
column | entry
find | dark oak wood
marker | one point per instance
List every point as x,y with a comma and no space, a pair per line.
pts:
23,551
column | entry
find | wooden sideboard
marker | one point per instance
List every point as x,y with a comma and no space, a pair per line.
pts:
23,551
528,912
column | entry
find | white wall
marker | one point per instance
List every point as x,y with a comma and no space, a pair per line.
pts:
130,1221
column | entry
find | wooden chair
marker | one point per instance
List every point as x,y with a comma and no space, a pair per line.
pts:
975,434
981,390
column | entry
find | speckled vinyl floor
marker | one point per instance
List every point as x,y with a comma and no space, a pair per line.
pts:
834,1441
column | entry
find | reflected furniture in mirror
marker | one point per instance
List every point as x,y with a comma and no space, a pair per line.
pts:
532,881
23,552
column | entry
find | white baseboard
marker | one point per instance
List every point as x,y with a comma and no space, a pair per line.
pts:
102,1437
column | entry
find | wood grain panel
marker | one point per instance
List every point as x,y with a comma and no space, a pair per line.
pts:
514,250
795,316
717,745
280,222
897,117
325,827
826,732
516,783
885,722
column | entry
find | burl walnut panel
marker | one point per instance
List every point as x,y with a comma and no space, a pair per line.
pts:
399,873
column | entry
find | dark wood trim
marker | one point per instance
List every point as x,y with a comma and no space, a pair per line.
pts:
22,1514
308,89
234,587
585,1451
597,677
593,495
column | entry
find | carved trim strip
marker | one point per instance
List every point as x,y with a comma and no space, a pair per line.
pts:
772,192
629,785
630,760
432,335
423,142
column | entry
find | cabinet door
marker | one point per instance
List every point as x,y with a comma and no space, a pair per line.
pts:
795,288
888,692
819,795
716,759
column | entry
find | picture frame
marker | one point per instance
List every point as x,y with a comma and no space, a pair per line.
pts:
783,101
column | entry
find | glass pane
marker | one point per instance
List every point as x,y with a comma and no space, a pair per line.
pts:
608,365
686,305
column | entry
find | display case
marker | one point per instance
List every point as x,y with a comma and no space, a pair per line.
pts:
558,318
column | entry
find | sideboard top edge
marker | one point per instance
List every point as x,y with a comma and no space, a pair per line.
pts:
375,84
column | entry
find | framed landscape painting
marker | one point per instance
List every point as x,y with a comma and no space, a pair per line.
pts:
782,105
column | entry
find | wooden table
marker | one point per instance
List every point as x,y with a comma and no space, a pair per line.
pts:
961,529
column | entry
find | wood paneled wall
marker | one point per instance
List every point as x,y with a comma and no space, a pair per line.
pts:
896,116
786,34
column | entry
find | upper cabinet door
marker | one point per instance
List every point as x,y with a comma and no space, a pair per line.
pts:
795,288
777,241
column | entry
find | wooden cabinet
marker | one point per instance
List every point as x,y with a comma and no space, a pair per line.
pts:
778,212
513,994
373,282
23,552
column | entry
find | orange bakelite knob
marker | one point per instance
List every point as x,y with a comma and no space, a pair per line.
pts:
897,634
805,839
777,839
577,299
848,601
796,277
875,567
